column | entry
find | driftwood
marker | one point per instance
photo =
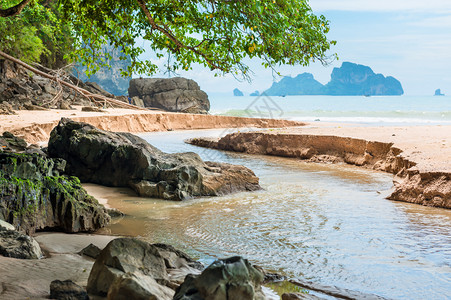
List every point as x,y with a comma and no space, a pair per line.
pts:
96,98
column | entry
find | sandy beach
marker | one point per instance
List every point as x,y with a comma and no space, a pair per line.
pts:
35,126
426,147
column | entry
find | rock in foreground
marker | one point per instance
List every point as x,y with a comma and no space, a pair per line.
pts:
123,159
171,94
128,266
17,245
231,278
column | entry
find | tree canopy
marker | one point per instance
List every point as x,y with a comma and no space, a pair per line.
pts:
219,35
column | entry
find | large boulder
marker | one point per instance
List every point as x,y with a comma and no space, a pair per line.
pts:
123,159
35,195
128,266
171,94
224,279
17,245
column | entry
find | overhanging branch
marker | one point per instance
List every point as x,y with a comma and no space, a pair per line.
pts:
177,42
15,10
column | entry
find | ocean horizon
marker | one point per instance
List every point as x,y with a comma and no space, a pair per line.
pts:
371,111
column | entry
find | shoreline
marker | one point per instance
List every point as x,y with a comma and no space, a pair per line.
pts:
35,126
418,157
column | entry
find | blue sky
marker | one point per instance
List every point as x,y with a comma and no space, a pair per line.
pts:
407,39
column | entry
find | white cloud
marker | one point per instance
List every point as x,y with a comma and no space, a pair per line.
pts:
436,6
434,22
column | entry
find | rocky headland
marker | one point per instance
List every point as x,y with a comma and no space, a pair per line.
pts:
349,80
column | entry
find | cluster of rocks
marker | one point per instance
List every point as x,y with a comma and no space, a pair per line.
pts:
36,195
172,94
23,90
128,268
125,160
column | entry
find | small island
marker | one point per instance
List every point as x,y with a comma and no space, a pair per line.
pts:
349,80
438,92
237,93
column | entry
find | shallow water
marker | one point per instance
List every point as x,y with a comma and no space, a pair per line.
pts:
329,224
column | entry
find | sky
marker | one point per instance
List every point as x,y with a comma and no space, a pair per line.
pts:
407,39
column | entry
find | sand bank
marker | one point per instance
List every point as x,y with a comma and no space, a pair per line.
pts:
35,126
418,156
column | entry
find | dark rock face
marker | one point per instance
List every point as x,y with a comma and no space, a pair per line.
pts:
231,278
18,245
350,79
303,84
91,251
123,159
171,94
35,195
237,93
67,290
128,266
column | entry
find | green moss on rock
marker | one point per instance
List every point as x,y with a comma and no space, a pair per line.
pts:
34,195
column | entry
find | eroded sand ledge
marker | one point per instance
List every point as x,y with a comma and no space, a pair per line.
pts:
422,175
35,126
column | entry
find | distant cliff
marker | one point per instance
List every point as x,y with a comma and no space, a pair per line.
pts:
349,79
109,79
303,84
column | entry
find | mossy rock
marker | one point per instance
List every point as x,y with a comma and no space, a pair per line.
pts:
34,196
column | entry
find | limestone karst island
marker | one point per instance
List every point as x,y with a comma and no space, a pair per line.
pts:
227,150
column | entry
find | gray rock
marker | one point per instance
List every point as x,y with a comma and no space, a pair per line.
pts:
171,94
6,226
231,278
10,142
125,255
91,250
138,287
18,245
137,101
6,109
67,290
123,159
95,88
128,266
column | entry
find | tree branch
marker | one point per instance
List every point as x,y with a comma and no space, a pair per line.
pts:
166,32
15,10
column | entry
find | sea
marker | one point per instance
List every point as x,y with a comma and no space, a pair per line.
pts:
371,111
329,224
